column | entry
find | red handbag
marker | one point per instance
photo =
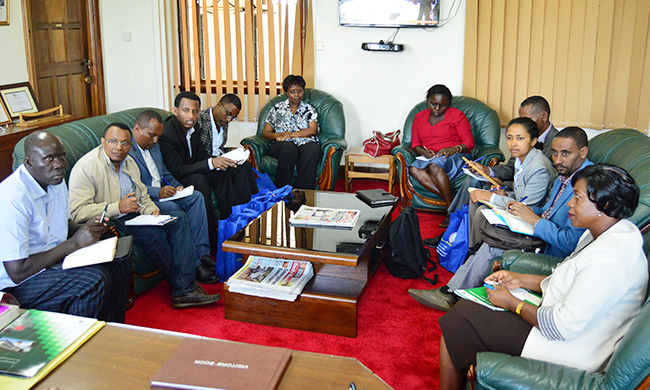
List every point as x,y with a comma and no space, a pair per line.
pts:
381,144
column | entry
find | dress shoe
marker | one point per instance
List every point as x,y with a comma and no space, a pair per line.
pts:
445,223
432,242
205,276
435,298
194,298
208,262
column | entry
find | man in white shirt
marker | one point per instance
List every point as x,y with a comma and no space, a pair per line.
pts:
34,231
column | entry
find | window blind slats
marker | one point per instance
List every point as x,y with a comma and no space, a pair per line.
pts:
589,58
244,47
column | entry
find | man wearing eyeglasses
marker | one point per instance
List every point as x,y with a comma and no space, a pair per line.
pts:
108,178
212,125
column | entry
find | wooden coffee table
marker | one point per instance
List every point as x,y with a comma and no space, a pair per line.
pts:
126,357
344,263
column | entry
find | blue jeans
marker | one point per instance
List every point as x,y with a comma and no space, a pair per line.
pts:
194,207
170,248
476,268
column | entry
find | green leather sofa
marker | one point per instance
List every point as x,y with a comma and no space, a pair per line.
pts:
79,137
486,130
629,366
331,134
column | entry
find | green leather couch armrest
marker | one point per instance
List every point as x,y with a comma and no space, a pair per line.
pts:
259,144
498,371
528,263
338,143
406,151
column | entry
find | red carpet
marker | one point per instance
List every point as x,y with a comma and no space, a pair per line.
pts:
398,339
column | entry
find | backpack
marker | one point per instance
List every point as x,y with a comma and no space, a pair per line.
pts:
408,258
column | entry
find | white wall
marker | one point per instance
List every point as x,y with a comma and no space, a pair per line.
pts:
133,63
13,66
378,89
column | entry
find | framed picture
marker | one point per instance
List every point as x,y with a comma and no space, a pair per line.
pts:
18,98
4,12
4,115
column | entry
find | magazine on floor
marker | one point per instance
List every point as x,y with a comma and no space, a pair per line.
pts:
271,278
325,217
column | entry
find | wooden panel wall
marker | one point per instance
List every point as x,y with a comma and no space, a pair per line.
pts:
589,58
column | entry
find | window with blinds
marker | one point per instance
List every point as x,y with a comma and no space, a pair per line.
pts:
244,47
589,58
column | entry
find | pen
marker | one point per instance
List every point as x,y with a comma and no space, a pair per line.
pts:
522,199
477,160
101,219
498,188
166,182
140,204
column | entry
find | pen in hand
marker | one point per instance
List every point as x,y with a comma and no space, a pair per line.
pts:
101,219
498,188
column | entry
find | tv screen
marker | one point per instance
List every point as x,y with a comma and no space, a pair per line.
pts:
389,13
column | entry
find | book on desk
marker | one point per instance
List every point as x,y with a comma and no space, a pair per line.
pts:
211,364
36,342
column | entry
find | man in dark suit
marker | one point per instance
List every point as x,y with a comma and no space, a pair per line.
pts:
162,185
189,162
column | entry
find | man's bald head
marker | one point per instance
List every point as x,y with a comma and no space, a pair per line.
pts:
45,158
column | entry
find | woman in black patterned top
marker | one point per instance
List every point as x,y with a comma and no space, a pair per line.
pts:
292,125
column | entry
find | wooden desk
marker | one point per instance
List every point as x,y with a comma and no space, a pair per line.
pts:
126,357
10,137
329,301
357,155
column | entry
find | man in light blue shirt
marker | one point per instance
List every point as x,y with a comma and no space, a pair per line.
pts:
34,239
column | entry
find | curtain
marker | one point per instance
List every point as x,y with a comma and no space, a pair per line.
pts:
589,58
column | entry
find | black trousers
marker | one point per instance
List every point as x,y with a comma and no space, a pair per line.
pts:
97,291
469,328
305,157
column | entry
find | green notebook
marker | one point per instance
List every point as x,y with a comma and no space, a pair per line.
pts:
479,295
37,337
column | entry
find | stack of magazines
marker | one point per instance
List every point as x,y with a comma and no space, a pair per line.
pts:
271,278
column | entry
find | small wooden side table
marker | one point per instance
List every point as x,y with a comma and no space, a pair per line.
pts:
357,155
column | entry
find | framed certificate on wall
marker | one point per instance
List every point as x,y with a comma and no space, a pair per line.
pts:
4,12
18,98
4,115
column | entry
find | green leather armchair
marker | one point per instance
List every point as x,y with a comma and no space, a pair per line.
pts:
629,367
331,134
79,137
486,130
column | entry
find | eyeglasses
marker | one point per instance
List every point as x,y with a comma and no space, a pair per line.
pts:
230,116
113,142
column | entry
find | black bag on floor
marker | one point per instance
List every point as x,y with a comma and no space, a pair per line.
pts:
408,258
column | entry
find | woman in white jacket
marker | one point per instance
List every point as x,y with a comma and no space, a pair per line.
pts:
588,302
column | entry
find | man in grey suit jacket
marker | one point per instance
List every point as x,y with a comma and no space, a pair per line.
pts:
161,185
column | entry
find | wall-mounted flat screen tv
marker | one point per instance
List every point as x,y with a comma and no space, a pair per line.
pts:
389,13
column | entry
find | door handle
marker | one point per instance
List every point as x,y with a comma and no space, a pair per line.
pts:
89,79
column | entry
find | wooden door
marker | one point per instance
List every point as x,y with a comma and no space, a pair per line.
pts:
65,55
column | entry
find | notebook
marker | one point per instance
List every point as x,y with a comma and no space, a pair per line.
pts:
376,198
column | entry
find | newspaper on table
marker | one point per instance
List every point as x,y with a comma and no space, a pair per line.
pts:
325,217
271,278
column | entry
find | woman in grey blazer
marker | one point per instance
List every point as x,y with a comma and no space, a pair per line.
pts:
533,174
